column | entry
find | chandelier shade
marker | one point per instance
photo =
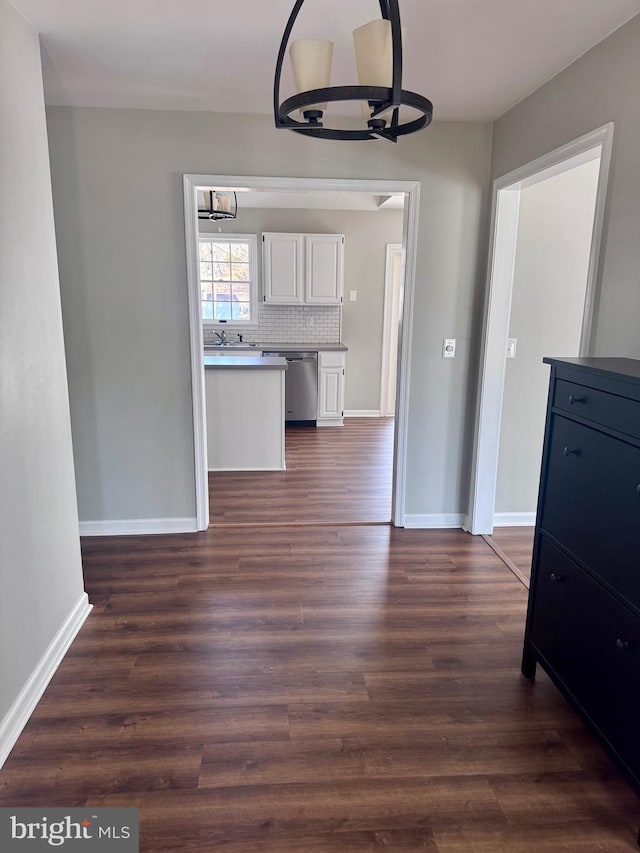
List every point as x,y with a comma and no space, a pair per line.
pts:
378,48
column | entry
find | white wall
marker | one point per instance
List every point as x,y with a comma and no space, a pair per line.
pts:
366,235
599,87
117,181
549,286
40,569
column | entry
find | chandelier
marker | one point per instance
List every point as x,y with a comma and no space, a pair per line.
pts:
378,49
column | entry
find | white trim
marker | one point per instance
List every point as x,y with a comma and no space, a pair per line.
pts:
389,359
362,413
410,241
196,348
213,470
502,247
401,431
18,714
138,526
434,521
514,519
329,422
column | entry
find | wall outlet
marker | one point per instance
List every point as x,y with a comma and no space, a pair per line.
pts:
449,348
309,321
512,344
353,296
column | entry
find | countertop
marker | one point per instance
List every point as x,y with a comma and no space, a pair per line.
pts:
245,361
279,347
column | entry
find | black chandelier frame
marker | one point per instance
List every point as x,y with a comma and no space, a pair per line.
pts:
381,98
212,214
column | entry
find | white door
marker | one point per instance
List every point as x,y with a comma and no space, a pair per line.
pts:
282,268
324,268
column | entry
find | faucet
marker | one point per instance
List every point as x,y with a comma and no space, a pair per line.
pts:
222,337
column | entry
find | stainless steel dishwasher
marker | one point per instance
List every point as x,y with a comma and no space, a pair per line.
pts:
301,385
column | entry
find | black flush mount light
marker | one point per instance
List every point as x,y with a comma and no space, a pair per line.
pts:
378,46
219,204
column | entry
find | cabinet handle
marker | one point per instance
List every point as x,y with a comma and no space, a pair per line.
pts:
573,399
622,645
568,451
638,490
556,578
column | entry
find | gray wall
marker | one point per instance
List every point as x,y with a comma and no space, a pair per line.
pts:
366,235
549,286
601,86
40,570
117,180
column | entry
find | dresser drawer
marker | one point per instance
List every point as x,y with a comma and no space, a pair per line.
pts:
591,503
592,643
611,410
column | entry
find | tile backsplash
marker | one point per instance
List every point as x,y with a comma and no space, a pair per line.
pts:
309,324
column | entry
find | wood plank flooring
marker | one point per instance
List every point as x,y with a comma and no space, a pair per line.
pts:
334,475
294,689
516,545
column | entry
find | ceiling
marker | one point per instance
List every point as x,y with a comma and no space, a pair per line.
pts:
473,58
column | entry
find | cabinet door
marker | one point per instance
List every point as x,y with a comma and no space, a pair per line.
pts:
324,268
592,644
331,385
592,502
282,268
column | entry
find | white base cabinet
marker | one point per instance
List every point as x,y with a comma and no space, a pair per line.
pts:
303,269
331,372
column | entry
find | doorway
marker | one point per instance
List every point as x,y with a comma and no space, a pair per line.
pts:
410,192
594,148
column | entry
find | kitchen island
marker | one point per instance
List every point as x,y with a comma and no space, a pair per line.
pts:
245,412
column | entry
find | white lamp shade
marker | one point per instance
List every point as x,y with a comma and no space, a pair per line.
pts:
374,56
311,64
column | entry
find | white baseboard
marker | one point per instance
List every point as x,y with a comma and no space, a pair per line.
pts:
138,526
24,705
330,422
435,521
362,413
514,519
246,470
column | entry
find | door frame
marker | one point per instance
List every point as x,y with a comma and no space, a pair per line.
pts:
501,266
389,357
411,190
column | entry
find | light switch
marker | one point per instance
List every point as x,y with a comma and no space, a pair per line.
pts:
512,344
353,296
449,348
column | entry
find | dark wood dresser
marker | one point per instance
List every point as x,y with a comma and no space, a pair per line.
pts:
583,620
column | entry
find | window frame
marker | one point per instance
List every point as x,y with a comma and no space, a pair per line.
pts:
254,273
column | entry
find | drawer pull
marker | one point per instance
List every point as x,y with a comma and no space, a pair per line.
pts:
568,451
556,578
638,490
622,645
573,399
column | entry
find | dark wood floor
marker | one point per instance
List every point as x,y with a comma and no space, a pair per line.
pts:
334,475
294,689
515,546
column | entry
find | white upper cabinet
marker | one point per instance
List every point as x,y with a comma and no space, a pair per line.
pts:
282,268
303,269
324,268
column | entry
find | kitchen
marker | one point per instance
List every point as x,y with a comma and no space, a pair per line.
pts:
299,277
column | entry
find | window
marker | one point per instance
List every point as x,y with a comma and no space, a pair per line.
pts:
228,272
